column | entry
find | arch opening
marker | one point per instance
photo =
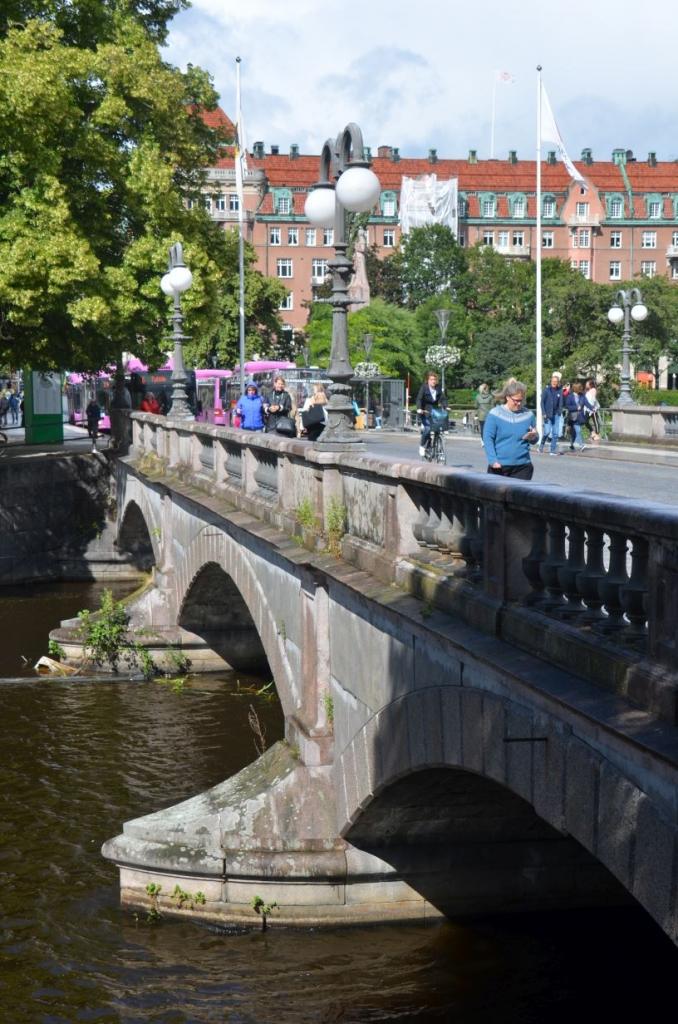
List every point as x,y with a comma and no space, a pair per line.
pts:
215,610
134,538
470,846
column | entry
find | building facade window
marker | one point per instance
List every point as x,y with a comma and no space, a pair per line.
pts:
615,270
547,240
284,205
574,264
654,209
488,237
503,239
585,268
233,202
674,238
648,240
462,206
318,271
674,271
615,240
549,207
519,206
648,268
462,239
310,236
287,302
389,206
293,236
518,239
284,268
584,238
582,211
207,202
274,236
488,206
328,236
616,207
389,238
220,202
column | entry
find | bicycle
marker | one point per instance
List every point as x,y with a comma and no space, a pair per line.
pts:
434,447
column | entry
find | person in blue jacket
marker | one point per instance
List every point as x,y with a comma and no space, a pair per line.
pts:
509,431
552,408
577,410
250,409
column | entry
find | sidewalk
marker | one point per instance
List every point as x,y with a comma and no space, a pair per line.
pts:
75,440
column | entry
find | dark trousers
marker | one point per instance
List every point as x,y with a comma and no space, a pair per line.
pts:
523,472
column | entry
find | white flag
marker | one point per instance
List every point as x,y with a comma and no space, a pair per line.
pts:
505,77
240,149
549,133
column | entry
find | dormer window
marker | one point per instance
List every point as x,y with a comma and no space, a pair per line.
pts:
488,206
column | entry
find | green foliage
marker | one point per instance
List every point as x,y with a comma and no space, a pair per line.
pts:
650,396
104,633
55,650
153,890
335,523
259,906
328,705
432,262
394,333
305,515
461,397
181,897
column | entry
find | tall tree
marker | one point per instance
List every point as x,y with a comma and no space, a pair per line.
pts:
431,262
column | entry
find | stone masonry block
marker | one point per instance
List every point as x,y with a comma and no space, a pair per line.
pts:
434,663
417,725
617,823
348,766
364,789
373,664
472,730
450,705
494,730
581,793
519,751
392,739
548,772
655,863
372,753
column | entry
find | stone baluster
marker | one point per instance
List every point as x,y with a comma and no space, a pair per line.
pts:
430,528
471,541
450,532
610,585
422,500
533,560
587,580
568,572
266,475
634,594
552,562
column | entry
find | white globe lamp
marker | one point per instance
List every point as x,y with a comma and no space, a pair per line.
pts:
639,311
358,189
615,315
180,279
320,206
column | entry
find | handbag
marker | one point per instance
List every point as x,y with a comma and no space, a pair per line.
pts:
314,414
285,425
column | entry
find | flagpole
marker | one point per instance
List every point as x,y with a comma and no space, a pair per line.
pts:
241,242
538,262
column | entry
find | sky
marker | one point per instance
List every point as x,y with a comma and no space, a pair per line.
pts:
422,75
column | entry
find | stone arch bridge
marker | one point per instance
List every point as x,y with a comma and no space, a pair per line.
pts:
478,680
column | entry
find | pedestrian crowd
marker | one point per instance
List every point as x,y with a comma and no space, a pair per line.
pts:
276,412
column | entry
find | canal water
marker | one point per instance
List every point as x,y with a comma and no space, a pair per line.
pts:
77,759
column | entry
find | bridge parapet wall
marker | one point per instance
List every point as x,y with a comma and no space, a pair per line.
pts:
586,582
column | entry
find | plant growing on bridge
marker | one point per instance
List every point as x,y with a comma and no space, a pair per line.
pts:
181,897
305,515
336,525
153,890
259,906
328,705
104,633
55,650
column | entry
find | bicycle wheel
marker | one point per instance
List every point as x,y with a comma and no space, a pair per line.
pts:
440,455
429,450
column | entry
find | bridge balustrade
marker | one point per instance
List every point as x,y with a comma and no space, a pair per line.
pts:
589,581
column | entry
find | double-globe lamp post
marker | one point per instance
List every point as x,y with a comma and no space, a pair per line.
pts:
346,184
176,281
629,306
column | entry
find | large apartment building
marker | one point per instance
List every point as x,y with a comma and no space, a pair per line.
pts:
624,224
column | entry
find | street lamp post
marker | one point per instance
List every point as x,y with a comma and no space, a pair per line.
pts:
177,279
346,183
443,318
629,305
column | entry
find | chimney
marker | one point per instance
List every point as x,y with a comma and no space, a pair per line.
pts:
433,156
275,150
367,150
473,156
258,150
651,159
395,155
384,152
619,157
551,156
513,156
630,158
294,151
587,156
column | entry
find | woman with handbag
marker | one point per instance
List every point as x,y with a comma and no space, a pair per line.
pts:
577,407
314,413
278,409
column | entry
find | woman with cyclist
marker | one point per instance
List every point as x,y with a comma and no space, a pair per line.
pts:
429,397
510,429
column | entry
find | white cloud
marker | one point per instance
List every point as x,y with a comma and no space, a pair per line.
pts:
421,76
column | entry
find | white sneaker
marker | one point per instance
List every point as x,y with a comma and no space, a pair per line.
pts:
422,451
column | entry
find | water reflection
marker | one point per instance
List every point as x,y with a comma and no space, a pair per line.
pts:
77,759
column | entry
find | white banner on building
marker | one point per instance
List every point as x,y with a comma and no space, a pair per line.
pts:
425,200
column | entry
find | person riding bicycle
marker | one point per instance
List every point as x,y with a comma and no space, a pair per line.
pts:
429,397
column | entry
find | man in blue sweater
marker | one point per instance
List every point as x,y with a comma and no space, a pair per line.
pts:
509,431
